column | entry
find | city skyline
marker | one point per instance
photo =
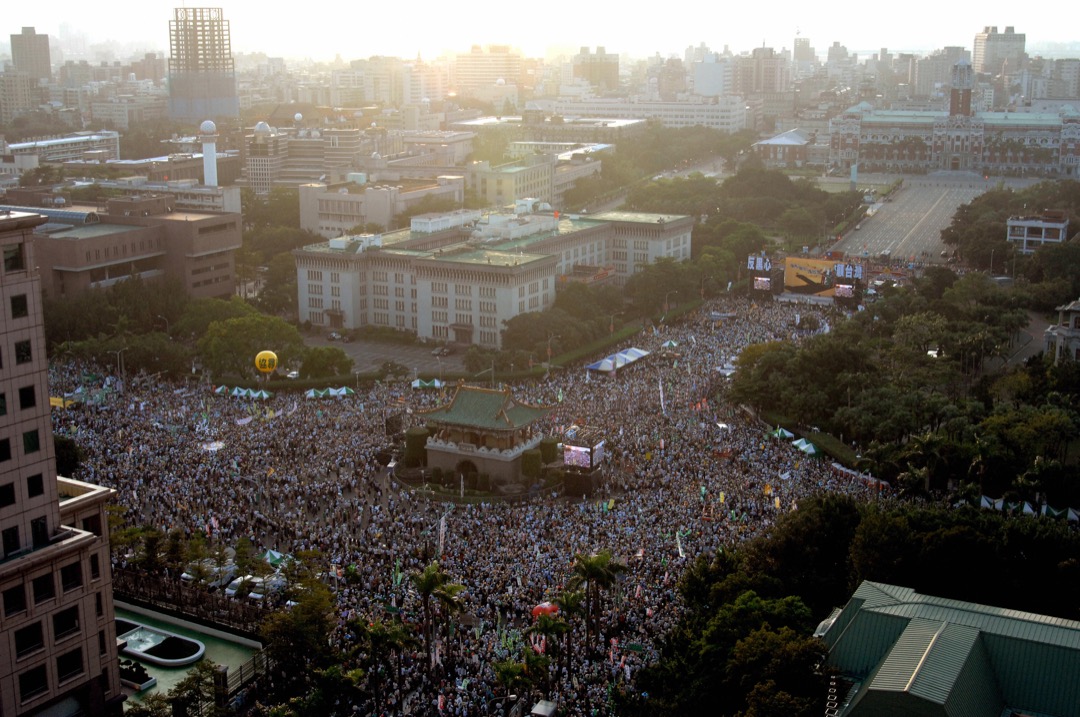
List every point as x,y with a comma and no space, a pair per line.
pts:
563,29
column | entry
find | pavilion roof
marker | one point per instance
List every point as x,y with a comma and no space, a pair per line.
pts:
487,408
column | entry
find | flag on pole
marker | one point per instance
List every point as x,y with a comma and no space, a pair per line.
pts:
678,544
662,408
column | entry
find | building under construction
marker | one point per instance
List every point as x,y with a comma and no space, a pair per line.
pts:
202,76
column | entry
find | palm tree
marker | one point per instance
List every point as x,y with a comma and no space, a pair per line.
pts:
450,603
570,607
427,582
596,573
551,629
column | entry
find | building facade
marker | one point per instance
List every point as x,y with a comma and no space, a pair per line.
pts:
30,54
994,52
334,209
600,69
1029,233
448,281
1063,338
58,649
141,236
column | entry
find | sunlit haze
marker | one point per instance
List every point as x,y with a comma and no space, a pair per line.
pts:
321,31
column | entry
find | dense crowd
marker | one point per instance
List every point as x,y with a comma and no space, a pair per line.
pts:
687,474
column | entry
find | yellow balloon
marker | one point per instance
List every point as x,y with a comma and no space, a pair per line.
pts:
266,361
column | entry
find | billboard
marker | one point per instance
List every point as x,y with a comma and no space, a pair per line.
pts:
817,277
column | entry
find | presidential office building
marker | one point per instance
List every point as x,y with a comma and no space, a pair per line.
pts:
458,277
1000,143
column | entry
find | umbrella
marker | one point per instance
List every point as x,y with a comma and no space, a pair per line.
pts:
545,608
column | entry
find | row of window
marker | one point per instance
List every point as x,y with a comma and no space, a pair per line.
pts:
35,486
43,587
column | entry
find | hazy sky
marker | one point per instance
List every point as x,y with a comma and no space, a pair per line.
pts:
321,30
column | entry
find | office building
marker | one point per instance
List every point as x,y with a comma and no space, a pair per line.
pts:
459,277
143,235
58,652
995,52
30,54
599,69
17,96
476,71
202,76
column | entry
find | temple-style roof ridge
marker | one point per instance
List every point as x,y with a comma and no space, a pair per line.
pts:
489,408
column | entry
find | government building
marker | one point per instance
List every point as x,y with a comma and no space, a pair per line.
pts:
458,277
999,143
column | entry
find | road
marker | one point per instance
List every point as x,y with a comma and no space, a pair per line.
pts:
369,356
909,226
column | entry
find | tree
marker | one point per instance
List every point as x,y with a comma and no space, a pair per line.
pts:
196,691
595,573
427,583
325,361
229,347
571,607
300,636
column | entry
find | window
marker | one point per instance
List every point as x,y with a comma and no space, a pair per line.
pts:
20,308
23,353
66,622
92,524
99,605
39,531
14,600
101,643
32,683
11,540
71,576
31,442
44,588
13,258
27,397
95,567
3,404
28,639
35,486
7,495
69,665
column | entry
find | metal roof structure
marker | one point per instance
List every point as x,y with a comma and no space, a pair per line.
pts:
914,654
485,408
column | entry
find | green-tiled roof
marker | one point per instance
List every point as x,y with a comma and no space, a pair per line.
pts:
485,408
961,657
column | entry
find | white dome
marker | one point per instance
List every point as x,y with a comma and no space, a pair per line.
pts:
298,117
208,127
262,128
500,82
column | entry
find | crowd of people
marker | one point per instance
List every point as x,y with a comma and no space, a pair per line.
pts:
687,474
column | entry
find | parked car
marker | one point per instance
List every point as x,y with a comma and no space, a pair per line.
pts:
240,586
334,336
262,588
213,575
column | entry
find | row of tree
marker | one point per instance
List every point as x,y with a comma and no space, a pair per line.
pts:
743,643
918,380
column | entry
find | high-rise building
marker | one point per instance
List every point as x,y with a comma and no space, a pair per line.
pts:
599,69
963,81
202,76
58,650
16,95
476,70
30,54
992,49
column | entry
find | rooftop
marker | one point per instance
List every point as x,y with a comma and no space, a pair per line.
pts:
485,408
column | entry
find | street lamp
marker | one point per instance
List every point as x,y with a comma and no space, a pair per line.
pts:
703,285
120,364
550,337
167,330
666,304
439,359
611,321
992,260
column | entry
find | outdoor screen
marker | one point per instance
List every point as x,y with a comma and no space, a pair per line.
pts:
598,453
762,283
576,456
844,291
